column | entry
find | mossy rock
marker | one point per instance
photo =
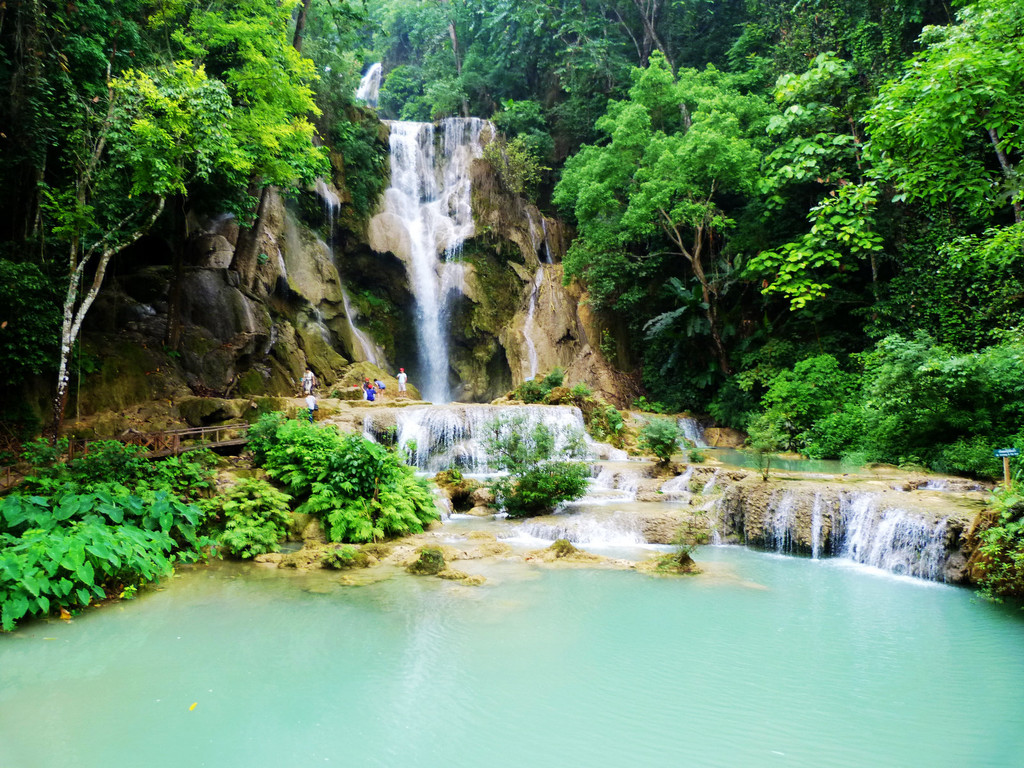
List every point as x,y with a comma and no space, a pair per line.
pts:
378,550
267,405
205,411
563,548
344,557
251,382
560,396
430,563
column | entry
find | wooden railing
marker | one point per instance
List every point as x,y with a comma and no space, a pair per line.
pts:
171,442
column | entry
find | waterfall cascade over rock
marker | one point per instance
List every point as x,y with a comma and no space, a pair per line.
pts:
454,436
426,216
369,87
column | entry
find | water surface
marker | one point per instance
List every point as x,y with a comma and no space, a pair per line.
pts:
765,660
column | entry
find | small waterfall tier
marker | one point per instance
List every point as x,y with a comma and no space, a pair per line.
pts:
692,431
369,87
441,437
425,218
873,528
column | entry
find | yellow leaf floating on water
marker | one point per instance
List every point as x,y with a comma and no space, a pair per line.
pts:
194,705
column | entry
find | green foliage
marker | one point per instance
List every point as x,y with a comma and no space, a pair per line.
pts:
256,518
518,167
29,322
119,468
361,490
661,437
645,405
581,391
534,391
345,556
1001,550
947,131
765,439
535,483
815,389
67,552
605,424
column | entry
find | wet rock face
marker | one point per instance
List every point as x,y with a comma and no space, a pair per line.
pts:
918,534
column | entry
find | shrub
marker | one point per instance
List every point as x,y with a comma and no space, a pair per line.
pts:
554,379
344,557
535,484
661,437
581,391
66,552
361,490
1001,550
256,516
606,424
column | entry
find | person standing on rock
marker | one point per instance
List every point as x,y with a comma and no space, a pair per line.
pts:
402,378
311,405
308,382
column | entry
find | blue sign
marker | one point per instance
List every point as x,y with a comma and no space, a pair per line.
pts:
1005,452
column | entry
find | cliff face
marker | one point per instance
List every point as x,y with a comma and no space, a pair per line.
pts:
329,291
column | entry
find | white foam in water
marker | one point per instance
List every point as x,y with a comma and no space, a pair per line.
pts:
454,436
816,527
710,484
430,198
892,539
778,533
678,488
693,431
369,86
618,530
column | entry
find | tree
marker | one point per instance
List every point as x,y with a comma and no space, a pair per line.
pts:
950,128
820,157
157,133
677,147
536,482
661,437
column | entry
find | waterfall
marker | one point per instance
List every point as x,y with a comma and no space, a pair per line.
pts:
430,196
454,436
891,539
369,86
816,526
369,351
692,431
710,484
778,534
531,346
678,488
363,348
618,529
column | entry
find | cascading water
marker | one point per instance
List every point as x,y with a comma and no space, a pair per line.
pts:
891,539
363,347
692,431
528,327
678,488
778,534
816,526
454,436
369,87
617,529
430,196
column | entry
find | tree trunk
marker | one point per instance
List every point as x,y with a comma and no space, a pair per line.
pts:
172,336
71,326
300,24
1007,168
244,260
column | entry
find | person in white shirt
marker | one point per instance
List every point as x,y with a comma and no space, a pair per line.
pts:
402,378
308,382
311,404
